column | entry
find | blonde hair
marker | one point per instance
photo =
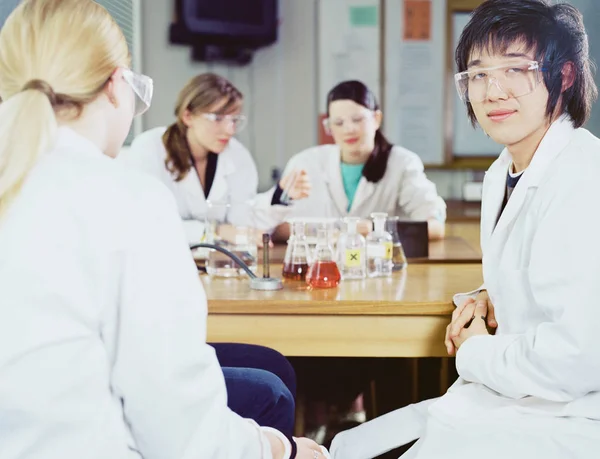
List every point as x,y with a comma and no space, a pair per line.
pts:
200,93
56,56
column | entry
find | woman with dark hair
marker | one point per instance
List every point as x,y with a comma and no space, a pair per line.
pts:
200,161
363,172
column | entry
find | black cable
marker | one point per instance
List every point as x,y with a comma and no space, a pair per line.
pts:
231,255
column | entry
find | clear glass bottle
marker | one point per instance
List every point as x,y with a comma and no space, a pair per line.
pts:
297,253
351,251
379,248
240,241
398,256
323,272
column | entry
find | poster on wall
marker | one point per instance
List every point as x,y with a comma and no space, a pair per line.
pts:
417,20
349,48
415,76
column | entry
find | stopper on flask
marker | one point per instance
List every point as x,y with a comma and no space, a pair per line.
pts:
379,219
352,224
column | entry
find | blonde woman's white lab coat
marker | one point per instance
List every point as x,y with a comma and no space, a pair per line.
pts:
103,322
235,182
533,389
403,191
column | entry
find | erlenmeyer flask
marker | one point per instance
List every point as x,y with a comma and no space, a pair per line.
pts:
398,256
323,271
297,253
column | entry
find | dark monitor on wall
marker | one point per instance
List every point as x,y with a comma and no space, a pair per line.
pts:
249,23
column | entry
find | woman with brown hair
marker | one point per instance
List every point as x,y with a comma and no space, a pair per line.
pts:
201,161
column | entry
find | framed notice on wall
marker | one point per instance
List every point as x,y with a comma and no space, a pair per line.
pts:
414,76
417,20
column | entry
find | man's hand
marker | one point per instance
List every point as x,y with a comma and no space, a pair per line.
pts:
477,326
464,314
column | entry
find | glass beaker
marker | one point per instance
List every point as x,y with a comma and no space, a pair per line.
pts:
379,248
297,253
239,240
351,250
216,215
398,256
323,272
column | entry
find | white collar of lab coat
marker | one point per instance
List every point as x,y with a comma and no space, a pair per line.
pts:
554,141
68,139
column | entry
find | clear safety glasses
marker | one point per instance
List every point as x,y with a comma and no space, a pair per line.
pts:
337,124
143,88
516,80
239,121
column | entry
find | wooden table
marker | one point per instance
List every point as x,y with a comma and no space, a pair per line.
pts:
462,211
452,249
401,316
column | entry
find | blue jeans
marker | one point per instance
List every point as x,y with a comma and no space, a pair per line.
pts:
261,384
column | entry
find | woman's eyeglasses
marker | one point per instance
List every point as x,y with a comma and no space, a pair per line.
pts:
238,121
143,87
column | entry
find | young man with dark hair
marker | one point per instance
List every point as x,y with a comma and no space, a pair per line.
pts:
526,343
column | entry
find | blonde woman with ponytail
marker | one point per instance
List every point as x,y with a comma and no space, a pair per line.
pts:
102,341
199,159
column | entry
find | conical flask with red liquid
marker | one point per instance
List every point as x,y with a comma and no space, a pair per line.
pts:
323,271
297,253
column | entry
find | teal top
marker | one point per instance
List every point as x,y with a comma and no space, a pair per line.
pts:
351,174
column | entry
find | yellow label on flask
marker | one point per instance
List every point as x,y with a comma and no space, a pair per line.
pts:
353,258
389,250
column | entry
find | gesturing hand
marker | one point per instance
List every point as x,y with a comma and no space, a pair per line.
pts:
296,184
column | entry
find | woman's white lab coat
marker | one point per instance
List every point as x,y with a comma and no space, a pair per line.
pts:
235,182
403,191
103,322
533,389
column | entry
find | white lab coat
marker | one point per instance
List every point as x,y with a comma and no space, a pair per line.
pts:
235,182
103,322
533,389
403,191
